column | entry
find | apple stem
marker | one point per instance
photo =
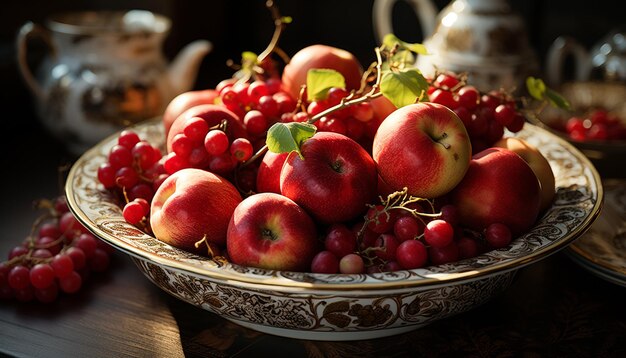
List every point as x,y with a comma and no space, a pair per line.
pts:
268,235
336,166
444,135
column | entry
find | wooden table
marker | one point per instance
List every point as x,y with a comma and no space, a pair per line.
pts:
554,307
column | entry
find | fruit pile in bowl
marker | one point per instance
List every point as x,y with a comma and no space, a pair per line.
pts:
339,306
595,123
324,201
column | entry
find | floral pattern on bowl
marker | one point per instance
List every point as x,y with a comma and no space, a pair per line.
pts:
602,249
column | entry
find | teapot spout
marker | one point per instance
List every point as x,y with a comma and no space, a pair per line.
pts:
184,69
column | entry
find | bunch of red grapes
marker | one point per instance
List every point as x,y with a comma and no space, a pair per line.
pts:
356,122
56,258
485,115
403,238
220,149
134,170
262,103
597,125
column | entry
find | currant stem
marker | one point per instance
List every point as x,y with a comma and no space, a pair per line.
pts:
398,200
350,101
254,157
279,25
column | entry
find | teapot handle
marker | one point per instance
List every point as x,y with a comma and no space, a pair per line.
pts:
383,22
28,30
558,51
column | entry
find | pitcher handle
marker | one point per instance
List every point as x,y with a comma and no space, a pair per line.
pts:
27,31
558,51
383,10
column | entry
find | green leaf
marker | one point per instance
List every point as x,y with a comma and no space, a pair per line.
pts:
390,40
536,87
404,87
557,100
320,80
286,19
538,90
417,48
403,58
287,137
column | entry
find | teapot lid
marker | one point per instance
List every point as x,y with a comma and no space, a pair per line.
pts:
98,22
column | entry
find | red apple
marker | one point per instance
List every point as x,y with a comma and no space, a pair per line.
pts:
213,114
183,102
499,187
320,56
192,204
537,162
423,147
334,181
382,107
268,175
270,231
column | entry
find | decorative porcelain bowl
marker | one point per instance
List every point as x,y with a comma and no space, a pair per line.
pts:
608,155
602,249
339,306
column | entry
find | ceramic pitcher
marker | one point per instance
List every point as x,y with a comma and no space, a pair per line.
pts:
483,38
105,71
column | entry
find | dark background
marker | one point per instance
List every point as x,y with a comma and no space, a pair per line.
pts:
235,26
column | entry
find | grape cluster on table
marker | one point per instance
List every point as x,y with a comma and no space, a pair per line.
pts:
57,258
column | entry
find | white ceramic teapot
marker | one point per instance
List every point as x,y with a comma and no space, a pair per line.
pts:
483,38
606,61
106,70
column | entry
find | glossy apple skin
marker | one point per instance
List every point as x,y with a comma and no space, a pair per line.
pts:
499,187
382,107
268,175
213,114
190,204
423,147
320,56
270,231
334,181
537,162
184,101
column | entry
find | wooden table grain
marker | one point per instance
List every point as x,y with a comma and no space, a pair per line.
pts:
553,308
